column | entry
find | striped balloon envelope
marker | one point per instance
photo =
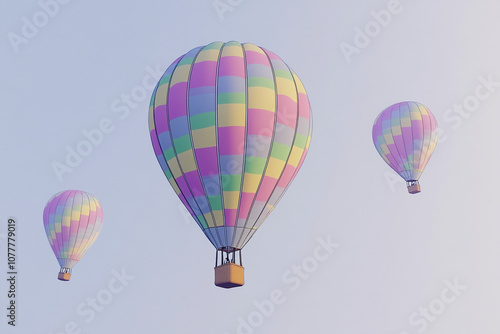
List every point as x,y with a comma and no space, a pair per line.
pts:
405,135
72,221
230,124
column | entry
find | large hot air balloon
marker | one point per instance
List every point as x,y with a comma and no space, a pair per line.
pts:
405,136
230,125
72,221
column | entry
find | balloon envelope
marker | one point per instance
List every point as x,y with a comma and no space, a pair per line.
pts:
230,124
405,135
72,221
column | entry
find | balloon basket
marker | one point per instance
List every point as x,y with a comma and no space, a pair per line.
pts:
413,187
229,275
64,276
229,271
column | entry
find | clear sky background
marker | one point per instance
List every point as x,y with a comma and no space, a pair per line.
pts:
403,264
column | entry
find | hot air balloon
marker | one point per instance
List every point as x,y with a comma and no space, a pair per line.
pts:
230,124
72,221
405,136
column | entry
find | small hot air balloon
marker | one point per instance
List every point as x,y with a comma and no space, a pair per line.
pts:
405,136
230,125
72,221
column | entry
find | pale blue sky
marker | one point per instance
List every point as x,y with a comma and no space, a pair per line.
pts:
397,253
